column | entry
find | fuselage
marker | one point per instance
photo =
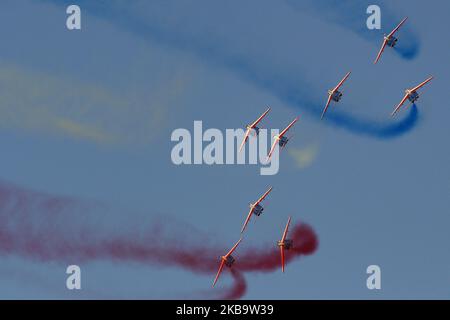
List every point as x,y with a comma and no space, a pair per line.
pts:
412,95
390,41
257,210
335,95
228,260
282,141
286,244
248,127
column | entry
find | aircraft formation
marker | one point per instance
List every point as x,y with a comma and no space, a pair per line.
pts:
256,209
281,140
410,94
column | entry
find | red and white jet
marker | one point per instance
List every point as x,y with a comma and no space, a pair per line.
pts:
253,126
226,260
285,244
255,208
280,139
334,94
389,40
411,95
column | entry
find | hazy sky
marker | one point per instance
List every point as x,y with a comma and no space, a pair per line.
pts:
88,114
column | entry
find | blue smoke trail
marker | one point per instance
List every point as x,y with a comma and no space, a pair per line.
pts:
408,52
376,129
282,81
351,14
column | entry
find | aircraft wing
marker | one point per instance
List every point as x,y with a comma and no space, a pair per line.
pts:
247,133
260,118
234,248
264,196
282,258
422,84
272,149
288,127
381,51
326,107
286,229
399,105
397,27
222,264
342,81
247,219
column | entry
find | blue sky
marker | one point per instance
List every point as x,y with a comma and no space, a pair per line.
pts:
88,114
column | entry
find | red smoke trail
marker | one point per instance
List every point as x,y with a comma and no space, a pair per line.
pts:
63,229
268,259
239,287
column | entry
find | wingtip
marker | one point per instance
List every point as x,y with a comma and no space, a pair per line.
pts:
242,145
